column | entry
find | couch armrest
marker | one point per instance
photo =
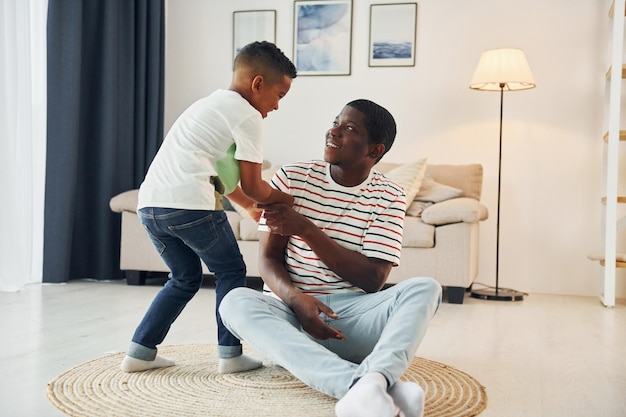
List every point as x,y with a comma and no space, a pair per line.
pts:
455,210
126,201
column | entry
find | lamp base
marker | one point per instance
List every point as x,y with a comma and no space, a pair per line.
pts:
496,294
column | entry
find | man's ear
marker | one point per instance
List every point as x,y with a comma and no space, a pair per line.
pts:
376,150
257,83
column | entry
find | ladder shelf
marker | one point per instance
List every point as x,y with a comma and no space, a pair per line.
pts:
609,257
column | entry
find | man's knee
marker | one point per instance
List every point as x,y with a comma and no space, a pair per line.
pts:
235,302
432,285
425,285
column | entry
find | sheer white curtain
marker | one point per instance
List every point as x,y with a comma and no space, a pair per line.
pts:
22,140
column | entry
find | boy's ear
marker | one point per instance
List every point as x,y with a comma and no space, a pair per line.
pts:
376,150
257,82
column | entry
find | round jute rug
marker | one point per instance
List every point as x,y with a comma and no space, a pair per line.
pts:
194,388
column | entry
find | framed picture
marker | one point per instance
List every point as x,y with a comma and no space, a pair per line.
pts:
253,25
322,37
393,29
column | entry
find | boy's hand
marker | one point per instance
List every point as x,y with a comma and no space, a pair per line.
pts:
254,212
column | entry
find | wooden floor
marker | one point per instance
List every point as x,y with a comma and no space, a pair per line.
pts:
546,356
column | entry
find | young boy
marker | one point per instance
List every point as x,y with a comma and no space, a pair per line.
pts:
216,144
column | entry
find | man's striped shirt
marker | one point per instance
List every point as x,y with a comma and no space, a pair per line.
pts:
367,218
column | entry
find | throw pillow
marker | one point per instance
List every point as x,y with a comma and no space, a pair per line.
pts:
409,176
434,191
416,207
429,193
463,209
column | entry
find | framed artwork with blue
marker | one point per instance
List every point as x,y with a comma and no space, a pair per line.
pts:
393,34
253,25
322,37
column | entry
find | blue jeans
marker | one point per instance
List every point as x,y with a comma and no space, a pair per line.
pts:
184,238
383,331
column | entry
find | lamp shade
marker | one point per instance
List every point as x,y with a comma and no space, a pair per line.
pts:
504,68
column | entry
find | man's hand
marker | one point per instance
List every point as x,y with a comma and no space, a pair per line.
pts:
369,274
308,309
282,219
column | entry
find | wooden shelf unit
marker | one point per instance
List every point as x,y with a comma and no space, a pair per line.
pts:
622,136
608,257
608,73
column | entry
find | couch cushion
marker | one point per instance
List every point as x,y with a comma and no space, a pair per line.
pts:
468,178
248,229
417,234
416,208
235,220
126,201
462,209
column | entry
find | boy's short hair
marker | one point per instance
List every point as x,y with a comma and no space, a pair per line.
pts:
380,124
266,59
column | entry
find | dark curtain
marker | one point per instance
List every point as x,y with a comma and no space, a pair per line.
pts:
105,124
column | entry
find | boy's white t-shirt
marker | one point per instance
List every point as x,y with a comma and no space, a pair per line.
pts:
207,140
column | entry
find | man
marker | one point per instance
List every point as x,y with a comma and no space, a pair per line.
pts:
325,262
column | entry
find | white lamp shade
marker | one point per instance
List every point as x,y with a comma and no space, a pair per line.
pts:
504,68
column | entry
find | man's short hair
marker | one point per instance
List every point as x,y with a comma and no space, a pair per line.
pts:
266,59
380,124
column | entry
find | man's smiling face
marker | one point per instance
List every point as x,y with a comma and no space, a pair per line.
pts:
347,142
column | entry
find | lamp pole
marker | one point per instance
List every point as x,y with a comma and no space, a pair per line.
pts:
498,70
499,187
496,293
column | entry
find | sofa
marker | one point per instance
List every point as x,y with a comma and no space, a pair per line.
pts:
440,238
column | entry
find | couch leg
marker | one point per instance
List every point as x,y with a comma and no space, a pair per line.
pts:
455,295
135,277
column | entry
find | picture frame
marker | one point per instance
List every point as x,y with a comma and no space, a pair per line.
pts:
393,35
322,37
253,25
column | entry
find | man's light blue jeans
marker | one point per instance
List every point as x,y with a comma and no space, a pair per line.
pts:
184,238
383,331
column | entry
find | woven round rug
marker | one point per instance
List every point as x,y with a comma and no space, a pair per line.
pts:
194,388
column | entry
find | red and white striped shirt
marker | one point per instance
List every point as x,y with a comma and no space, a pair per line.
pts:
367,218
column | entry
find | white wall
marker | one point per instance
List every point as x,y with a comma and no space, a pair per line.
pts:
552,156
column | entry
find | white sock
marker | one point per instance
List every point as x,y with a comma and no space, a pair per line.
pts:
130,364
367,398
238,364
409,396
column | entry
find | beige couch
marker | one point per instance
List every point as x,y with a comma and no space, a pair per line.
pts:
440,238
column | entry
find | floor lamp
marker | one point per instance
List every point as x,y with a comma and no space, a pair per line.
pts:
501,70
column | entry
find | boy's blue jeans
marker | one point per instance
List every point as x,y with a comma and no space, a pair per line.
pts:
184,238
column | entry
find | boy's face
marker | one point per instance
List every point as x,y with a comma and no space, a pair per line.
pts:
265,96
